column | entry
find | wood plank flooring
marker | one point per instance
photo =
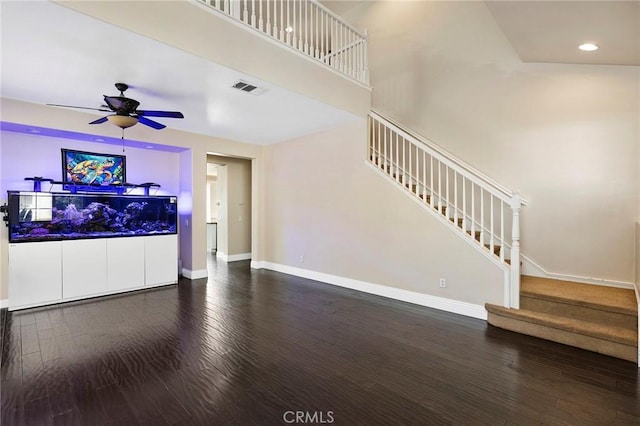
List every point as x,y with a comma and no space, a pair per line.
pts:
250,347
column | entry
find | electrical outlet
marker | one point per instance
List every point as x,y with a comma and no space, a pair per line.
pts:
301,259
443,283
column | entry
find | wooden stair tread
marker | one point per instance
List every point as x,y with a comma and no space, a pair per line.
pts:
597,297
622,335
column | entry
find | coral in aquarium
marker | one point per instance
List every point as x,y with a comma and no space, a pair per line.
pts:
73,218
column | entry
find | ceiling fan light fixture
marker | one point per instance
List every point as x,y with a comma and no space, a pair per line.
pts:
122,121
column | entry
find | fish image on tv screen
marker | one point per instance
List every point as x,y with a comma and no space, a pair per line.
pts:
89,168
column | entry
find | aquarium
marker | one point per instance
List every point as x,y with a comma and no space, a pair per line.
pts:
47,216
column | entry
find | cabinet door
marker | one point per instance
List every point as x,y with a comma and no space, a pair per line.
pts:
35,273
84,268
161,259
125,263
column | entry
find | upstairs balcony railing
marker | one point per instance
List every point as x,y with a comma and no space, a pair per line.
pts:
306,26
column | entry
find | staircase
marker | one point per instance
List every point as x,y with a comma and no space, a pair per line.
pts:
597,318
482,212
486,215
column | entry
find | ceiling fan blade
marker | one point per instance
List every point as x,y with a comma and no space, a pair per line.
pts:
72,106
151,123
99,120
168,114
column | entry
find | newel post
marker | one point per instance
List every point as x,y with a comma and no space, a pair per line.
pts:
516,204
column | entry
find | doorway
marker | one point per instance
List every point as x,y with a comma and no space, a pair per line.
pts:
228,208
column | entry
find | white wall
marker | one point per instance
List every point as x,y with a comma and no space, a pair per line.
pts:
565,136
327,211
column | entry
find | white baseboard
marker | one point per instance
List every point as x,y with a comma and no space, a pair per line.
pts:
232,257
448,305
530,267
194,275
4,303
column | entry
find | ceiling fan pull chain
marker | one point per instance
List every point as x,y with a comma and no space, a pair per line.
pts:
123,140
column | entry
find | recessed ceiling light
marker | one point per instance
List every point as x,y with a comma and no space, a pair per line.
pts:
33,131
99,140
289,29
148,146
588,47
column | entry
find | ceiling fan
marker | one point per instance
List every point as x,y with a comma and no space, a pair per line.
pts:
126,111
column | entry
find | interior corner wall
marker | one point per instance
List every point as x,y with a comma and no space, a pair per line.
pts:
327,211
565,136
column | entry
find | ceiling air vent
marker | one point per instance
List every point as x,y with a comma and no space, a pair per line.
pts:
247,87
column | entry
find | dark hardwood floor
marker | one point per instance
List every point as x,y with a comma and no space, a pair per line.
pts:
258,347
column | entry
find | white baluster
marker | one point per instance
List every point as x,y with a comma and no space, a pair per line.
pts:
440,186
455,198
294,27
397,158
253,13
322,46
306,27
502,248
217,4
260,20
288,26
491,240
269,29
516,204
245,13
464,204
473,212
301,23
317,41
384,163
424,175
431,186
447,195
482,226
281,19
410,167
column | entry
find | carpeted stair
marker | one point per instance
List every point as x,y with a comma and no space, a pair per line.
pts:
596,318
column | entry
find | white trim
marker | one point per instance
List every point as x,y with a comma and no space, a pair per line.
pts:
226,258
4,303
448,305
257,264
531,268
194,275
236,257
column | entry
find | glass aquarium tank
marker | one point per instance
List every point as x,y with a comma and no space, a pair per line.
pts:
49,216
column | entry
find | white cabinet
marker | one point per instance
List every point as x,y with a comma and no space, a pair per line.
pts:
42,273
161,259
84,268
35,273
125,263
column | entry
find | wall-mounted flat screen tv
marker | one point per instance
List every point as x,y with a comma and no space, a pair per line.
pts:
90,169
